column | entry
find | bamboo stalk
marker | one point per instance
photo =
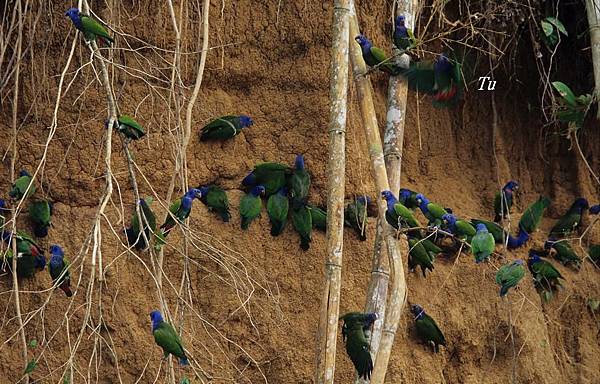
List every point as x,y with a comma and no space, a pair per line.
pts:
328,320
398,287
393,140
593,14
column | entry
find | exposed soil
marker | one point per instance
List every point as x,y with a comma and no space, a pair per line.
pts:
273,64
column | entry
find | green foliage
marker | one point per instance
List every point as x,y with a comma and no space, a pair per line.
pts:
551,30
33,343
571,109
185,380
593,305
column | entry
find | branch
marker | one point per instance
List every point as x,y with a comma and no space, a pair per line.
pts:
330,305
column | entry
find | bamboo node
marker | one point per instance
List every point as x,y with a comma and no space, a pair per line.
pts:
330,264
381,272
338,131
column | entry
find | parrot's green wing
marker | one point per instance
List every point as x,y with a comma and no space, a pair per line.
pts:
428,331
319,217
20,186
420,76
277,209
39,212
496,230
406,215
224,127
130,128
302,222
357,348
92,29
533,215
166,337
249,209
300,185
418,255
465,230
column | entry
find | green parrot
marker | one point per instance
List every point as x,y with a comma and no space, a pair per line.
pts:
462,229
225,127
133,232
496,230
319,217
272,176
443,79
59,270
418,255
300,181
509,275
433,212
20,186
533,215
129,127
179,210
39,214
545,275
571,220
302,223
250,206
408,198
30,257
563,252
397,214
215,198
404,38
90,28
374,56
278,206
167,338
483,244
357,345
427,329
355,216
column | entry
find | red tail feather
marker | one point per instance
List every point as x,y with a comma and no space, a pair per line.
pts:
66,289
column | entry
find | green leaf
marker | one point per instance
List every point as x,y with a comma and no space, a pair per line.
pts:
185,380
593,304
33,343
585,99
547,28
565,92
557,23
30,367
66,380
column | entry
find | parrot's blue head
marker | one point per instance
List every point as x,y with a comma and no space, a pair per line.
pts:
481,228
2,204
450,219
549,243
299,163
405,194
24,173
364,43
56,250
370,319
73,14
389,197
400,20
203,190
533,257
156,318
442,64
594,210
250,179
363,199
581,203
511,186
418,311
194,193
245,121
421,199
257,191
